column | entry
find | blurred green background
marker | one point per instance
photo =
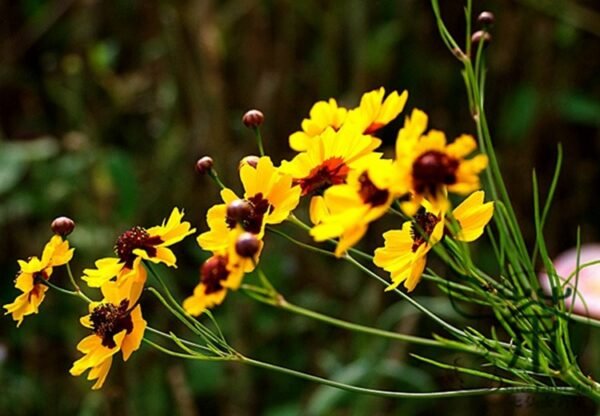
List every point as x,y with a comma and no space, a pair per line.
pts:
105,106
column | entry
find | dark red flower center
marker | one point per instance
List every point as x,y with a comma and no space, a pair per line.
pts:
108,320
423,224
213,272
135,238
333,171
371,194
252,220
433,169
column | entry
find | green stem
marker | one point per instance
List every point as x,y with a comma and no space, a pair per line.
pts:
259,141
215,177
62,290
407,395
75,285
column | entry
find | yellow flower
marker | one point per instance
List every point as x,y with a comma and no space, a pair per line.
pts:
136,244
374,112
56,253
349,208
329,159
217,275
404,254
269,197
433,167
472,215
117,325
323,114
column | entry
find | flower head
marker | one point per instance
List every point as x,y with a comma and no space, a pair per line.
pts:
346,210
56,253
117,325
374,111
323,115
137,244
269,197
431,166
330,158
217,275
404,254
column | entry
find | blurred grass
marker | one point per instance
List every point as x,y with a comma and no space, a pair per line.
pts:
104,109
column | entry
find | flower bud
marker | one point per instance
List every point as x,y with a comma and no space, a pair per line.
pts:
239,210
62,226
481,36
204,165
247,245
486,19
253,118
249,160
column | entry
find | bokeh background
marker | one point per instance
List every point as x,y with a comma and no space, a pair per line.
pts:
105,106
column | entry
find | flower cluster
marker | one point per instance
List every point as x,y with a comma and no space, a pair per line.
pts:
348,184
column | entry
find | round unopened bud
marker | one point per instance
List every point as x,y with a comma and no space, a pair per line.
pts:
247,245
239,210
63,226
481,36
486,19
253,118
204,165
249,160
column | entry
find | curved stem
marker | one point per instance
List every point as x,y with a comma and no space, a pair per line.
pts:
407,395
75,285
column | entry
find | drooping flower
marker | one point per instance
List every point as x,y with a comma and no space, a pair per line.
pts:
322,115
139,244
347,209
404,254
269,197
330,158
56,253
433,167
117,325
217,275
374,111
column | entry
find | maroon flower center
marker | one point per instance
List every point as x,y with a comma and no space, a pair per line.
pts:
252,220
213,272
333,171
423,224
135,238
371,194
433,169
108,320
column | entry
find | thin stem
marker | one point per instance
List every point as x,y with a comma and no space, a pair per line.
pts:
407,395
75,285
259,140
62,290
215,177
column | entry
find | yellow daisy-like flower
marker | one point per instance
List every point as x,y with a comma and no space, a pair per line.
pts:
330,158
322,115
217,275
117,325
136,244
374,112
349,208
404,254
432,166
56,253
269,197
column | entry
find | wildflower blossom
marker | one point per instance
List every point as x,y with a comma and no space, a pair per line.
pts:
433,167
217,275
374,111
330,158
352,206
56,253
404,254
269,197
322,115
117,325
139,244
